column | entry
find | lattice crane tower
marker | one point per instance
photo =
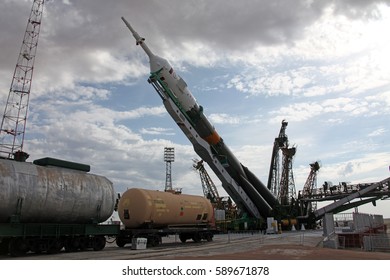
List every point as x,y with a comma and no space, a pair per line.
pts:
311,181
13,124
169,157
310,184
209,189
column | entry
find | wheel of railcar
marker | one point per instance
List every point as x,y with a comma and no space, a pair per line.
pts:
4,245
55,246
209,237
151,242
182,238
196,238
83,243
67,245
99,242
72,244
120,242
36,246
154,241
18,247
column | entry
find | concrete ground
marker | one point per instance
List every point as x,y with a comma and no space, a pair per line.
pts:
297,245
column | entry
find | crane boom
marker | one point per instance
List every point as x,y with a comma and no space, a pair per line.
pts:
13,124
209,189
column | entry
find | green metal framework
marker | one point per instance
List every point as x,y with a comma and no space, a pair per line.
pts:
164,91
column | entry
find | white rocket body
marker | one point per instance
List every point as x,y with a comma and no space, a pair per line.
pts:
178,88
173,81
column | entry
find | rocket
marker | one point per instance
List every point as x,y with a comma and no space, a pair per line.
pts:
171,86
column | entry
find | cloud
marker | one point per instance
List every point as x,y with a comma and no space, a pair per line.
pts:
223,119
377,132
265,82
336,56
95,137
346,170
86,41
319,64
358,9
330,108
298,112
371,167
157,131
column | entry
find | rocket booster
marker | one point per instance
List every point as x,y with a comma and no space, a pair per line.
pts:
176,89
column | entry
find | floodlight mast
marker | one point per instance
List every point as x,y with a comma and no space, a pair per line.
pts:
169,157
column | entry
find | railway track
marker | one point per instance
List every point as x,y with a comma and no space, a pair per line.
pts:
173,248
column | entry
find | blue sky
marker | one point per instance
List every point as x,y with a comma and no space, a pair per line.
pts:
324,66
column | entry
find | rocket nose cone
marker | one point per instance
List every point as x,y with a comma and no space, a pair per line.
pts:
140,41
156,63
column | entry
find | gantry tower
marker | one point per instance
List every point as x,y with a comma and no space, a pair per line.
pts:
281,183
274,170
287,184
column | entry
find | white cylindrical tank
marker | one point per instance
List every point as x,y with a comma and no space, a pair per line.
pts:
148,208
49,194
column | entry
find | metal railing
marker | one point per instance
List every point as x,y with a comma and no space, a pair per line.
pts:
378,242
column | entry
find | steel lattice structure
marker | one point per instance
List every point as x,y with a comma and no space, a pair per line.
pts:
209,189
287,183
274,170
13,124
169,157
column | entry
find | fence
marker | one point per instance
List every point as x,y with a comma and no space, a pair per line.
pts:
376,242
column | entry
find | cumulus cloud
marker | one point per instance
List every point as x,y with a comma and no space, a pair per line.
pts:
377,132
346,169
86,41
157,131
292,59
348,106
223,119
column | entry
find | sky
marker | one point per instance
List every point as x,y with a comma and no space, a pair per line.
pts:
323,66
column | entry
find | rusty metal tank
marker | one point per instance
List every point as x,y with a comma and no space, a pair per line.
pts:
31,193
148,208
